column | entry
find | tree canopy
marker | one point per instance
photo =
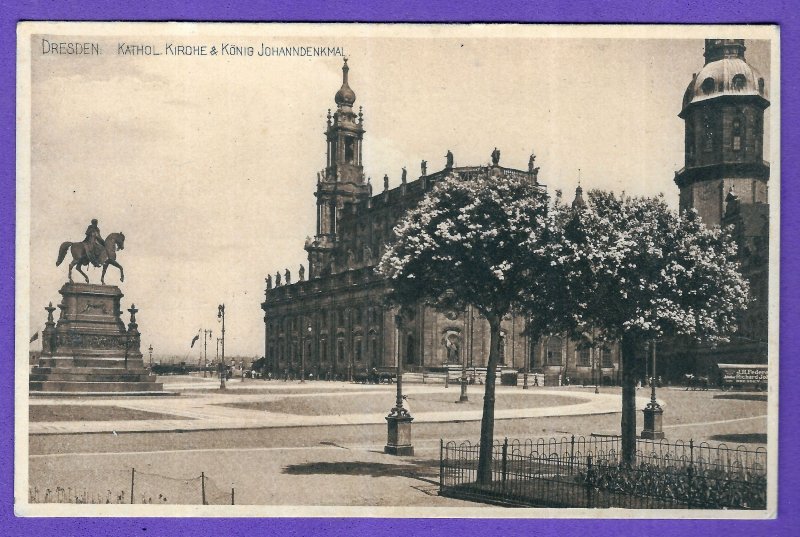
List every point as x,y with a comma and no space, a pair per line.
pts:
476,241
634,271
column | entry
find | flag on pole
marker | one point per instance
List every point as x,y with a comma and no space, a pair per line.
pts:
194,340
34,337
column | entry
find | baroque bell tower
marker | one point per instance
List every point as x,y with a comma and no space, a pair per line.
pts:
723,113
342,183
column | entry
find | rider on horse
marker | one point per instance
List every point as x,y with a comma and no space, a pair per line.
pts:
93,239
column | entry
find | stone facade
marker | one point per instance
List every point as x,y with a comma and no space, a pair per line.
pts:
335,324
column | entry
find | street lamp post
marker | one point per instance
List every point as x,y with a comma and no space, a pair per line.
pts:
399,418
303,356
463,398
653,413
206,337
596,371
223,370
151,356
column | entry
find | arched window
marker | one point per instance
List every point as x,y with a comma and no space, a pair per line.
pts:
374,352
738,82
410,354
708,85
553,351
583,357
358,350
605,358
737,134
708,132
349,150
758,133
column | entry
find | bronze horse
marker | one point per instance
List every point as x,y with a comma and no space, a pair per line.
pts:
106,256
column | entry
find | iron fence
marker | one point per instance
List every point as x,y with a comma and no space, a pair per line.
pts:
589,472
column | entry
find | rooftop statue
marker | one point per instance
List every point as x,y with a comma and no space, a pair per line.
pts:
93,249
495,157
449,157
424,167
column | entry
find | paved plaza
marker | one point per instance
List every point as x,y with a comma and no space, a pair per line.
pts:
321,443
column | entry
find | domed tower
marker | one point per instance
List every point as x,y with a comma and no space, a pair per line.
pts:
342,182
723,111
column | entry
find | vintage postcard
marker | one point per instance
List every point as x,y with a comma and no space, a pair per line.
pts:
397,270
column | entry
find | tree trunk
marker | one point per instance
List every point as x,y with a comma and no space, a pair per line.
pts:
629,378
487,421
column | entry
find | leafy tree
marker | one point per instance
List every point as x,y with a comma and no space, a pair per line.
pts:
635,271
476,241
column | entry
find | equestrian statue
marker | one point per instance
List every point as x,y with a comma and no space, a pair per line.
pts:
93,249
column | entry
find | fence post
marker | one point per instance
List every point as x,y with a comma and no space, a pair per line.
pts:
233,495
133,473
505,462
589,476
690,474
441,464
203,488
571,453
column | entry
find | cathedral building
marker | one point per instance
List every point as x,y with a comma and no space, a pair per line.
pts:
335,323
725,178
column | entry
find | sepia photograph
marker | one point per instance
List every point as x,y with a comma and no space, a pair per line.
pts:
407,270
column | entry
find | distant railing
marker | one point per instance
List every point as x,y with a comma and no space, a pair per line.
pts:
588,472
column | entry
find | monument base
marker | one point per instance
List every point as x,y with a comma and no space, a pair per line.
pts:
399,436
89,351
652,423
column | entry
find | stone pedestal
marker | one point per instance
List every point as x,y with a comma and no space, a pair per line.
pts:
89,349
652,422
399,437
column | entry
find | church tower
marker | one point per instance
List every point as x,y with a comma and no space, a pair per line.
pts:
723,111
341,184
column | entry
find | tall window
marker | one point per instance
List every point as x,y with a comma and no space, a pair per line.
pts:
374,352
349,150
323,350
502,348
708,133
605,358
737,134
340,351
553,351
583,357
358,350
410,354
690,141
757,133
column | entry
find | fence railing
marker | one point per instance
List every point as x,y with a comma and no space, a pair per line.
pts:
588,472
140,487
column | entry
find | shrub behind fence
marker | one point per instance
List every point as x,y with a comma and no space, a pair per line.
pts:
589,472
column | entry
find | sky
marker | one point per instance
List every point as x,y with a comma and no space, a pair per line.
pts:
208,163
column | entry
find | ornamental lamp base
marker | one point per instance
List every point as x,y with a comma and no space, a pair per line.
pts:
399,436
653,415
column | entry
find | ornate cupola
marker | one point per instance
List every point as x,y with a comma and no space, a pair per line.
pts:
342,182
723,112
578,202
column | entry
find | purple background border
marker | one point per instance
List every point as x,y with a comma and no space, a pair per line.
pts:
578,11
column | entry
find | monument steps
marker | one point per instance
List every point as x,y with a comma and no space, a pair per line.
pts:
105,387
91,377
89,350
